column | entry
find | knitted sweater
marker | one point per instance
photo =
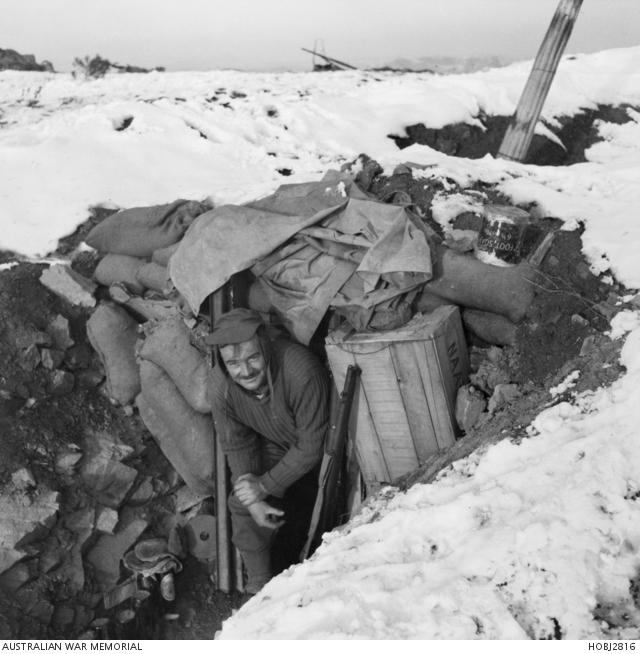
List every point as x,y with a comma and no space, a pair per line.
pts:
288,426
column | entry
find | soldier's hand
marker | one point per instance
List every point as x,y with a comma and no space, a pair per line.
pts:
248,489
265,515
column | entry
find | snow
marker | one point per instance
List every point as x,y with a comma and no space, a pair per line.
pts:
624,322
445,207
224,135
520,540
566,384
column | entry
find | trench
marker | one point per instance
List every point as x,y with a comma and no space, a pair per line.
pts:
577,134
549,343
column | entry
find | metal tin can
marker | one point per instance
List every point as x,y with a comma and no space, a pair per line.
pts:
501,235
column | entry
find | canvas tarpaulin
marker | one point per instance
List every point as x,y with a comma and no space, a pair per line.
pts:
304,243
232,238
378,242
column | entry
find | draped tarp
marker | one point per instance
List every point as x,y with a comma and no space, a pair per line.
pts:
386,250
304,243
231,238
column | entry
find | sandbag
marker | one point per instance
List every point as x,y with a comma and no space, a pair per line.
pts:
184,435
154,277
162,256
465,281
428,302
140,231
490,327
168,346
120,269
113,334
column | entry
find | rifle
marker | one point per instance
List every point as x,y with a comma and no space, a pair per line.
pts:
324,516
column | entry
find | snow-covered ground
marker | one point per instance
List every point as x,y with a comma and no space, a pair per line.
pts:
225,135
523,540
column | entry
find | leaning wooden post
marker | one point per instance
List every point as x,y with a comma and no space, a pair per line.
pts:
517,138
217,306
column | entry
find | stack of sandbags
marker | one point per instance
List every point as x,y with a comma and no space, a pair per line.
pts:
169,379
138,242
493,299
166,376
175,404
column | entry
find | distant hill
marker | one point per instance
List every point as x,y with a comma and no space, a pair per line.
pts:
449,65
13,60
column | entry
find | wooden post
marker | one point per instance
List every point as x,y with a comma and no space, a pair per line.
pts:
519,134
218,305
238,570
223,523
229,564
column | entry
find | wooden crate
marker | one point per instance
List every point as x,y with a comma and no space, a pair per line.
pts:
406,398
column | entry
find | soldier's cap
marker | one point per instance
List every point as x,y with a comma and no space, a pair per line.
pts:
235,326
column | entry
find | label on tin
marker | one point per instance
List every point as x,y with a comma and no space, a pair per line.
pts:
501,238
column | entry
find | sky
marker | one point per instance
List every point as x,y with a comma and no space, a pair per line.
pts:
268,35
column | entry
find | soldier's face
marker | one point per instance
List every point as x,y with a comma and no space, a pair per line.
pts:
246,364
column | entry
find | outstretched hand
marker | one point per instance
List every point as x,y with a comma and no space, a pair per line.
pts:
265,515
248,489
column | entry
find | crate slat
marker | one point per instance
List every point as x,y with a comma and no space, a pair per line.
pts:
368,447
367,442
436,396
386,408
415,403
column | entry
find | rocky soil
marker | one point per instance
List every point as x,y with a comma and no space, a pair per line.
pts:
75,468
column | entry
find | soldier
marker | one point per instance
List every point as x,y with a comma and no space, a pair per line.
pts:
271,409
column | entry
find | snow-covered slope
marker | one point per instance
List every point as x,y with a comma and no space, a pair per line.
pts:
521,541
